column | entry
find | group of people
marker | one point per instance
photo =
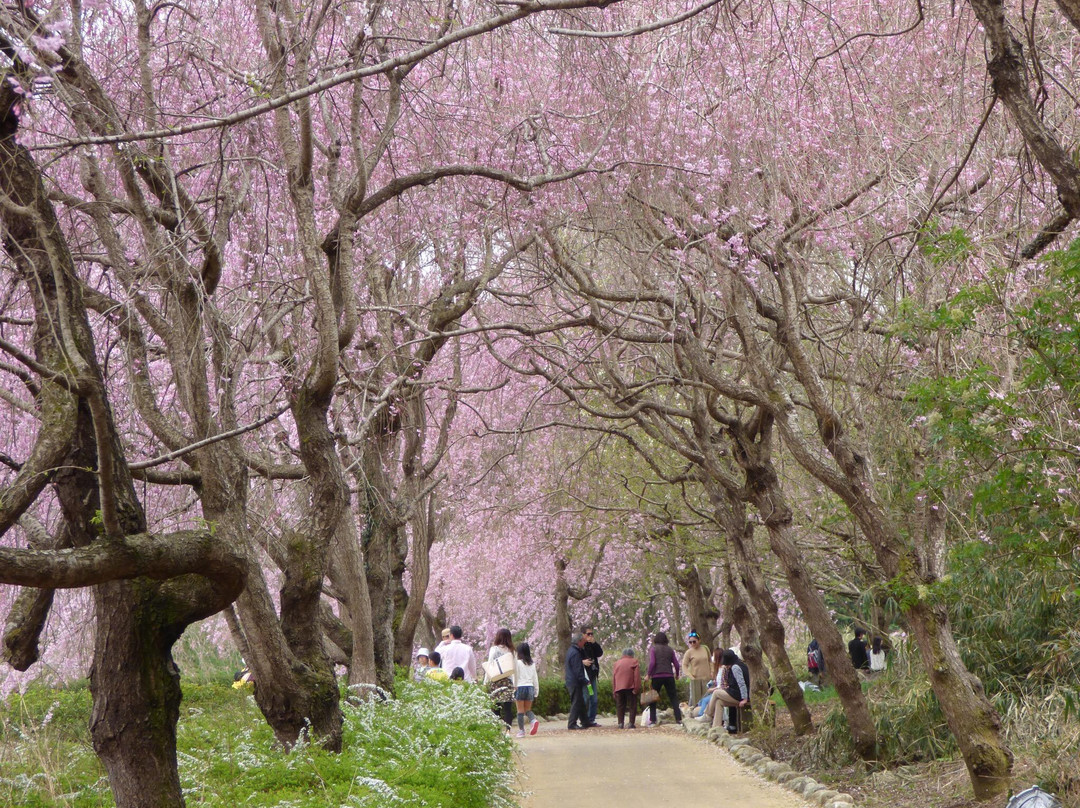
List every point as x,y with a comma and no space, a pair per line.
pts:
728,686
869,659
717,680
866,658
454,660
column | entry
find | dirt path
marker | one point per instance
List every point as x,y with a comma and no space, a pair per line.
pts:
643,768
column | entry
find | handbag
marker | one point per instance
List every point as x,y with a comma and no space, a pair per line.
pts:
649,697
499,668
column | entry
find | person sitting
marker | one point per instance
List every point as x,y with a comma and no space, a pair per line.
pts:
703,702
877,656
733,693
860,661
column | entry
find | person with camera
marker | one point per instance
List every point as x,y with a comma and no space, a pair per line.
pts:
697,666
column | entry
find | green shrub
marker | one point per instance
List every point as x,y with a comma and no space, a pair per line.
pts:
435,745
554,698
910,724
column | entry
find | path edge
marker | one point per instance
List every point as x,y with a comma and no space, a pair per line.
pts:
780,773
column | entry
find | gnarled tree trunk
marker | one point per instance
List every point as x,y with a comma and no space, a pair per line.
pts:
762,607
701,613
752,451
750,648
423,536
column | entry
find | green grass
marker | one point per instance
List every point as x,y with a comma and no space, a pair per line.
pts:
435,745
828,693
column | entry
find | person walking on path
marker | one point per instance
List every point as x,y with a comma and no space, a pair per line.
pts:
527,689
626,685
576,681
860,661
663,670
593,652
695,664
502,690
459,655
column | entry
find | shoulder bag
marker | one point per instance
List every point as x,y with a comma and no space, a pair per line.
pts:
499,668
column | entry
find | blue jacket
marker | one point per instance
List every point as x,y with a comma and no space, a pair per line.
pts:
574,670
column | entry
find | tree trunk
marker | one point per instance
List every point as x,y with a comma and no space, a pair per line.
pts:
762,606
423,535
564,625
723,636
379,540
971,718
382,545
134,685
677,621
305,568
816,613
909,557
750,651
702,614
133,721
347,573
768,498
751,445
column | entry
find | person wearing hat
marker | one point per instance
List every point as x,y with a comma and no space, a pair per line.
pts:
421,668
445,641
696,665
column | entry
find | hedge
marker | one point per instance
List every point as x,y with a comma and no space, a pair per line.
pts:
555,699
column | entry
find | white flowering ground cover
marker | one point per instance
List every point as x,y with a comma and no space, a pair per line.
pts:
434,745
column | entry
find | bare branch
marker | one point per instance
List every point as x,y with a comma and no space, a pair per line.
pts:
165,458
522,9
641,29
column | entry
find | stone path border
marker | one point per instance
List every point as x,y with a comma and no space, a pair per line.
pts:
746,753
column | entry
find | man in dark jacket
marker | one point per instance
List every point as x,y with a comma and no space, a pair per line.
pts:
576,682
860,661
592,653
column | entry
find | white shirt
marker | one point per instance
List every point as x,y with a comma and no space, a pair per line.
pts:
458,655
877,661
526,675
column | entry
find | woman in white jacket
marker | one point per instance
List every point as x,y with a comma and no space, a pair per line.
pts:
528,688
501,690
